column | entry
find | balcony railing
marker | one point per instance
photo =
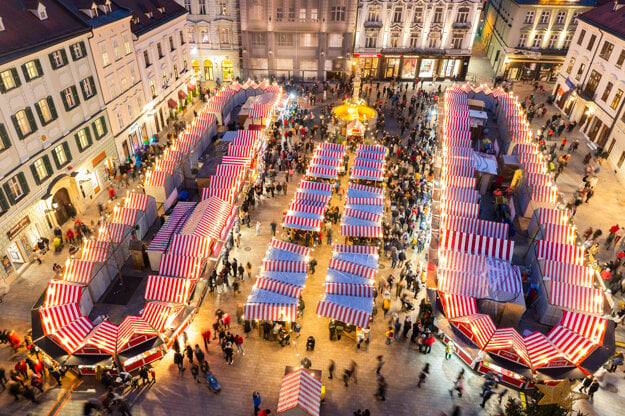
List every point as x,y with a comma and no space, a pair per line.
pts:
462,25
371,23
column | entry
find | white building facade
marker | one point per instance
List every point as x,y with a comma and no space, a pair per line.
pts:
55,139
591,84
412,40
214,35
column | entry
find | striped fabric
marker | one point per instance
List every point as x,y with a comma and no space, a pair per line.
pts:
78,271
462,284
169,289
292,220
284,266
461,209
132,332
155,178
175,222
364,201
547,194
566,253
368,216
458,181
331,146
584,299
371,148
343,248
112,232
278,287
270,311
325,162
366,164
475,226
71,336
156,314
563,234
456,306
134,200
468,195
316,186
541,351
572,346
102,340
181,266
342,313
126,216
367,174
568,273
56,317
590,327
227,194
300,389
224,181
190,245
366,231
552,216
353,268
60,293
286,246
476,244
348,289
322,172
97,251
538,179
478,328
316,208
508,344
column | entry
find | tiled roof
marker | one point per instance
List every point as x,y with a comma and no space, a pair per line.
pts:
607,18
141,8
75,6
25,33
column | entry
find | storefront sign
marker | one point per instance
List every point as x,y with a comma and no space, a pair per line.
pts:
99,158
367,55
392,56
15,230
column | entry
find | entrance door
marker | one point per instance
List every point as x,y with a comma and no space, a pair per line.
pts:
584,116
64,209
125,148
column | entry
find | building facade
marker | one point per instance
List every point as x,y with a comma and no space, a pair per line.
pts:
55,137
412,40
297,39
528,39
591,85
214,33
162,54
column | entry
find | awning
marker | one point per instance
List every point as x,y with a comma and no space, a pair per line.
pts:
343,312
182,95
353,268
156,314
132,332
285,266
477,327
300,389
169,289
103,338
57,317
171,103
78,271
60,293
71,336
191,87
181,266
456,306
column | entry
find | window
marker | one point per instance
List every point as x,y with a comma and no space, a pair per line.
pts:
456,41
164,80
567,41
32,70
538,39
133,74
258,38
580,71
9,79
187,5
191,34
335,40
202,6
438,15
397,15
309,40
171,44
529,17
621,58
591,42
433,42
418,15
279,14
617,99
569,68
560,17
414,40
463,15
373,14
61,155
607,92
176,75
5,141
224,36
99,126
593,83
314,15
41,169
45,110
574,18
302,15
553,41
24,122
152,90
181,37
105,55
620,160
606,50
78,50
159,49
70,97
371,40
16,187
203,34
83,138
58,59
522,41
87,86
337,13
146,58
580,38
285,39
394,40
544,18
223,9
117,52
120,120
291,14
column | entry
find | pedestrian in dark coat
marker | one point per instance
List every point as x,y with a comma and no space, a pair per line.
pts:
593,389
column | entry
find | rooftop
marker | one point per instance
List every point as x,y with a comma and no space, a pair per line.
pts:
609,17
589,3
148,14
54,25
105,11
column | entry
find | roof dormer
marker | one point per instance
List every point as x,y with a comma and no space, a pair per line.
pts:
39,10
161,9
106,7
91,11
148,14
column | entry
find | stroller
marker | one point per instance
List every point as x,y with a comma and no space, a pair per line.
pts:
213,384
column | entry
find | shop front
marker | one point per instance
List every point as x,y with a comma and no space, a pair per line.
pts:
22,236
369,65
532,70
412,67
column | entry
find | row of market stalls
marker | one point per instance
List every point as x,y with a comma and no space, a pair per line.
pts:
475,277
326,162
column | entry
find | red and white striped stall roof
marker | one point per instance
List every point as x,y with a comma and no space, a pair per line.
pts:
309,209
155,178
464,170
457,152
568,273
181,266
285,289
364,201
127,216
99,255
538,179
474,226
286,246
292,220
563,234
541,351
454,260
315,186
590,327
363,215
270,311
458,182
344,248
230,170
319,161
508,344
331,146
134,200
584,299
167,166
305,196
224,182
241,151
461,209
526,148
552,216
60,292
133,331
477,244
170,154
78,271
183,146
367,231
156,314
547,194
343,313
322,172
169,289
236,160
71,336
190,245
460,194
456,306
284,266
227,194
214,219
478,328
245,137
566,253
352,268
371,148
57,317
461,283
164,235
329,154
103,339
367,174
300,389
572,346
366,188
534,158
111,232
349,289
367,164
533,167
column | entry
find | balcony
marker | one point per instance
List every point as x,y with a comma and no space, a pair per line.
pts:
371,23
462,25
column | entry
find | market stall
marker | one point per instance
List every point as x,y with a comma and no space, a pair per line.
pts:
161,242
96,275
300,394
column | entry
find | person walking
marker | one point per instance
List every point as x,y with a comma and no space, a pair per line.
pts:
593,389
274,225
179,361
206,336
256,399
458,384
257,227
248,269
331,370
143,373
424,374
486,396
586,383
381,363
